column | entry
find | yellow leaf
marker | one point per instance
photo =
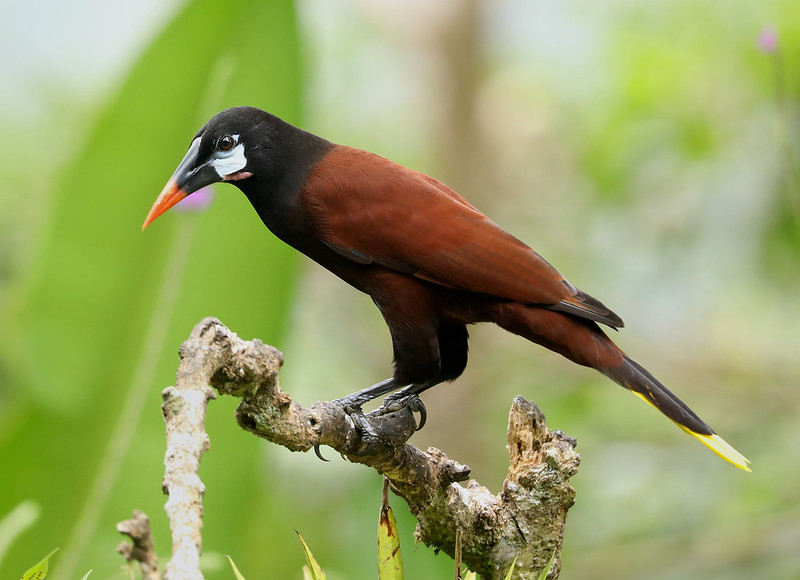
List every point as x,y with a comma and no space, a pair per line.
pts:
390,562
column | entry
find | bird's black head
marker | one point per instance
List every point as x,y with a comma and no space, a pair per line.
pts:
232,146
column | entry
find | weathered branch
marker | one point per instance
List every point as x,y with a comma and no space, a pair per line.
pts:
526,520
184,409
141,549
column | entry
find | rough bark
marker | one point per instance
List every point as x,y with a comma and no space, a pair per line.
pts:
184,409
525,520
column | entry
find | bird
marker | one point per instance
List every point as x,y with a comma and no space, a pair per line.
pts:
432,263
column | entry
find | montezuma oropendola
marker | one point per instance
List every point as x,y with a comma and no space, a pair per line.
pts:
432,263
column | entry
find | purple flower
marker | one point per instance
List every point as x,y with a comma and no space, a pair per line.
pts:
198,201
768,40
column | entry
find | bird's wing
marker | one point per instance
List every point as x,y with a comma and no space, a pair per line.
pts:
372,210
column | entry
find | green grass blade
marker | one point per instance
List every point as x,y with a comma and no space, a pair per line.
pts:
546,570
314,569
236,573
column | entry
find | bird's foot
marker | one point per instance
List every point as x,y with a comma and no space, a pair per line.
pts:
382,428
390,425
379,429
367,434
403,400
363,436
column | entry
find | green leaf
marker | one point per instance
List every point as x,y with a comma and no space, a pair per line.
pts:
39,571
80,332
236,573
85,576
314,569
511,569
546,570
390,561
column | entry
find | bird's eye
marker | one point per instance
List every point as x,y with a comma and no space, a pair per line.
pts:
226,143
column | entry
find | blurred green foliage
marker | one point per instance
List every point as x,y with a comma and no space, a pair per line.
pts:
656,177
95,297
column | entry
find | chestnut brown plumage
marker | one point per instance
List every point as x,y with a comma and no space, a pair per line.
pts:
432,263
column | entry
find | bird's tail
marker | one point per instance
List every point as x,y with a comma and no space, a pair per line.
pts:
583,342
640,382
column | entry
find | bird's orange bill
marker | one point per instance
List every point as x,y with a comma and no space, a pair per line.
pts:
169,196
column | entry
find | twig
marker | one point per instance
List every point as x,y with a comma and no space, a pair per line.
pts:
457,556
141,550
526,519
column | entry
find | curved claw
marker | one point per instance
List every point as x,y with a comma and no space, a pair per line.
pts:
413,402
423,414
318,453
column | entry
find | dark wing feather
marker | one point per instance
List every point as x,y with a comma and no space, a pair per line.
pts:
374,211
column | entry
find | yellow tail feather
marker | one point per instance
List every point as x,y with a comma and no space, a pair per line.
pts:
721,447
714,442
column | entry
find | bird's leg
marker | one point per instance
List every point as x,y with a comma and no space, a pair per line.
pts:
355,400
